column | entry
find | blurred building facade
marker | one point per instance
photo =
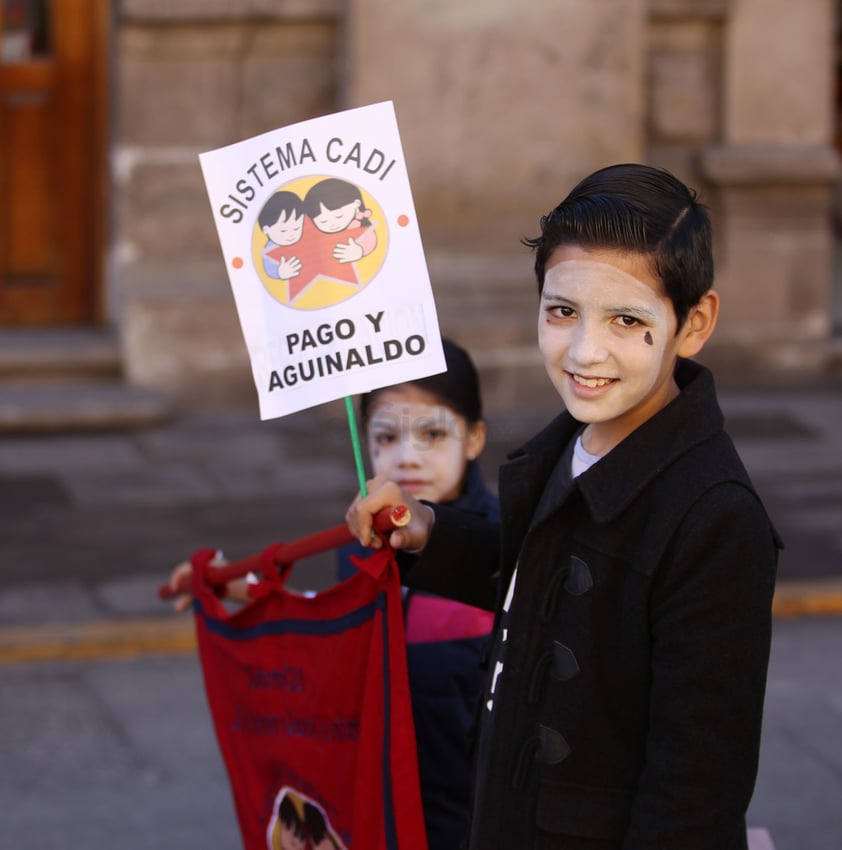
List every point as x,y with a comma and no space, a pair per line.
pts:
107,233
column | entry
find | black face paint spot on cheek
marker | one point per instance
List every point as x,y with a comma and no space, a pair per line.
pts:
647,338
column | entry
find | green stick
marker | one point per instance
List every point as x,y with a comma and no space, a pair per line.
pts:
355,442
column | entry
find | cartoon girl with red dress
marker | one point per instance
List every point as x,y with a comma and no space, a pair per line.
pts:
336,206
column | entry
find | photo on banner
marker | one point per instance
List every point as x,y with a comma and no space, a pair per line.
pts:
321,244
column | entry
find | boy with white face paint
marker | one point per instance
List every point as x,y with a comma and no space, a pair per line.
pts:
610,340
634,565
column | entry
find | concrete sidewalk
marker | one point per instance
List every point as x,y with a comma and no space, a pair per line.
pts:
99,748
102,680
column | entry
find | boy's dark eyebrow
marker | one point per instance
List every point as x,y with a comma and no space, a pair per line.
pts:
639,312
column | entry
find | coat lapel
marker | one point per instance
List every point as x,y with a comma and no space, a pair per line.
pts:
611,485
522,481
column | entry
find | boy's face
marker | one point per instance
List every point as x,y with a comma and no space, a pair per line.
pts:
286,230
607,333
332,221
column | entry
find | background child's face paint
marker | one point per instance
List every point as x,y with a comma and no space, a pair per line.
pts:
415,440
608,337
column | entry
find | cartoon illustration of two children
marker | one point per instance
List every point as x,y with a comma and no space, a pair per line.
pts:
330,228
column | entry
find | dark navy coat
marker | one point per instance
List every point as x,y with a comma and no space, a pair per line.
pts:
446,645
627,715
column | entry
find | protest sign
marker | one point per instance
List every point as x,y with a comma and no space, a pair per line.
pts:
321,244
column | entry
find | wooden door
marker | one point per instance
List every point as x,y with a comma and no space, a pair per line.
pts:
52,157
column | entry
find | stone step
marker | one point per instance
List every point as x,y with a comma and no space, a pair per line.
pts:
50,406
69,379
57,352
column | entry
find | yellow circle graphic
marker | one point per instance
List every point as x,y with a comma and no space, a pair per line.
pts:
318,241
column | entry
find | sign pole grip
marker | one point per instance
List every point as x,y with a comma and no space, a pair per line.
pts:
385,520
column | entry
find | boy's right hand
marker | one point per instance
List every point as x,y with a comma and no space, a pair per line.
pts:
383,493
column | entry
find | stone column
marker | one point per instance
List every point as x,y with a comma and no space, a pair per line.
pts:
773,173
502,106
194,75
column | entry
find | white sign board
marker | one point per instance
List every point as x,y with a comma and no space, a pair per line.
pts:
321,243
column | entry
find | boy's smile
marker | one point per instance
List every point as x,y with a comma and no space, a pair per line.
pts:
608,337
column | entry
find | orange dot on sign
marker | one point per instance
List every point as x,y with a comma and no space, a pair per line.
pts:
403,220
237,262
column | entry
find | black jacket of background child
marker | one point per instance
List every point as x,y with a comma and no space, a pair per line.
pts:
446,683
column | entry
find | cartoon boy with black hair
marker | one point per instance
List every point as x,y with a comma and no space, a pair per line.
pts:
282,220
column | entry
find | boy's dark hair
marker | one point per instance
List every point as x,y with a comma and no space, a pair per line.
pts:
640,209
278,203
457,388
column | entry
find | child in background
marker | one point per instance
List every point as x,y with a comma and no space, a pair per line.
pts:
426,435
634,565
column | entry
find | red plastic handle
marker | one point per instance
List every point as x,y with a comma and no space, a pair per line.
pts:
385,521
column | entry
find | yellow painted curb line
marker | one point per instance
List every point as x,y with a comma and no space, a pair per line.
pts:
97,640
818,597
167,635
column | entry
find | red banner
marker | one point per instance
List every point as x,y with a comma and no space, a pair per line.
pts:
310,702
